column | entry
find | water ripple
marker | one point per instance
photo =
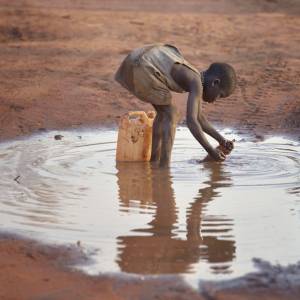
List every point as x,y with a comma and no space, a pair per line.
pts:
200,218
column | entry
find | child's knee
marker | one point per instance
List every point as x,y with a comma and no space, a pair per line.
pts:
171,112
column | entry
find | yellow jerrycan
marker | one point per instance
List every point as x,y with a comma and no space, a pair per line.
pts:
135,136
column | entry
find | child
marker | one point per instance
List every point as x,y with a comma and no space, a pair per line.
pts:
152,72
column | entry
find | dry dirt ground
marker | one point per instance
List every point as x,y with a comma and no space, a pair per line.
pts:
57,61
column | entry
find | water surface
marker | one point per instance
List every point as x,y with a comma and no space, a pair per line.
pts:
202,220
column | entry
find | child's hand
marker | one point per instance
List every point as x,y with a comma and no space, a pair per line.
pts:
217,154
227,146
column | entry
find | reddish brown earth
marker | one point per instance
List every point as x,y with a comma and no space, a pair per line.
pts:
30,271
57,61
36,272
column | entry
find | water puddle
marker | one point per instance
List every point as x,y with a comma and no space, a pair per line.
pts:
203,220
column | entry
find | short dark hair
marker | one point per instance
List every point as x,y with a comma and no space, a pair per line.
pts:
226,74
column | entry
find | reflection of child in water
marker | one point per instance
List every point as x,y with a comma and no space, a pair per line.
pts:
160,251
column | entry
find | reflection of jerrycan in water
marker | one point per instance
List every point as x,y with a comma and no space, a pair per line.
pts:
135,136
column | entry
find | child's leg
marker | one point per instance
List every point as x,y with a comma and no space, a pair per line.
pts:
169,113
156,135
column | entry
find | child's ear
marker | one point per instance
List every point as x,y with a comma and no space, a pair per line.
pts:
216,82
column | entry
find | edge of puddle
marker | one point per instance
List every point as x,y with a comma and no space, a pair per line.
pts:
274,280
254,136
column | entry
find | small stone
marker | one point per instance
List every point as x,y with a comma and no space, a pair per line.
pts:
58,137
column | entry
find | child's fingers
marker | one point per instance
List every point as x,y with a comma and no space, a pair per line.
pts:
230,145
222,156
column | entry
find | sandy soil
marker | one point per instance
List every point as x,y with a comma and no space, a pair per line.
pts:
58,59
56,71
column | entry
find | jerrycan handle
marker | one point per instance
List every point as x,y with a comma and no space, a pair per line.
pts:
141,115
151,114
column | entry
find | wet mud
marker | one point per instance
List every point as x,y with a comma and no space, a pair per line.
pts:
284,281
50,279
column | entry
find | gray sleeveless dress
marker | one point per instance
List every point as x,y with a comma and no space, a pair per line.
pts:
146,73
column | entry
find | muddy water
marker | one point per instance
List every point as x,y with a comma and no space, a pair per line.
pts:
203,220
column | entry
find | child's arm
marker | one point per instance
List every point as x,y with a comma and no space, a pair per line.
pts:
193,108
209,129
191,82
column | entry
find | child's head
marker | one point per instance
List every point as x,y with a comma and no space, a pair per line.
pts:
219,82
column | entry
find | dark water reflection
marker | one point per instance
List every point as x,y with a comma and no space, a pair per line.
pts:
162,252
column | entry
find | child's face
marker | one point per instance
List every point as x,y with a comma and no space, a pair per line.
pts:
211,93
